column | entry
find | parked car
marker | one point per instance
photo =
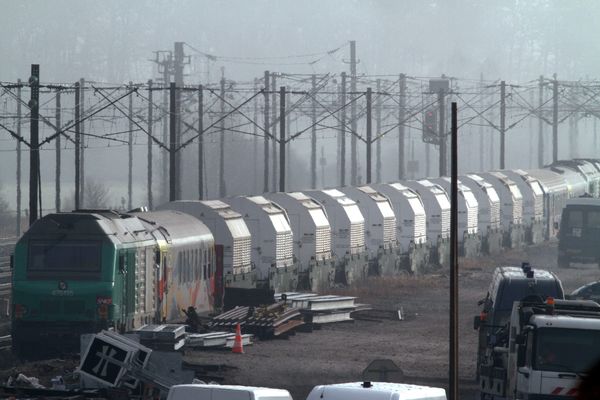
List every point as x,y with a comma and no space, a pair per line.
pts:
589,291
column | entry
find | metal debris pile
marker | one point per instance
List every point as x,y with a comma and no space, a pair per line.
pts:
115,361
290,312
317,309
169,337
264,322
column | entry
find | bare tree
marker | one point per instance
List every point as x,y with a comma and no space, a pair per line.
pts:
97,196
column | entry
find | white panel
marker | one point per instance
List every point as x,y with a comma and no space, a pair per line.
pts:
319,217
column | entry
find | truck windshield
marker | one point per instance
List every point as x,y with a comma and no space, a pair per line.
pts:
64,259
566,350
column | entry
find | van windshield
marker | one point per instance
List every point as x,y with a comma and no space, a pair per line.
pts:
518,290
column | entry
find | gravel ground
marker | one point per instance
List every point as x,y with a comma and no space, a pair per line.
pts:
340,352
418,344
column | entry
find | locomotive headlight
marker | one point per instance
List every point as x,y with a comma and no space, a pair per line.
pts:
104,304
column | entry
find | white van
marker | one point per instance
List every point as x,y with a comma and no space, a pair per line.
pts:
375,391
225,392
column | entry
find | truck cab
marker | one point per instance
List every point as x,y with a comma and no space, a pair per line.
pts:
579,232
551,344
509,284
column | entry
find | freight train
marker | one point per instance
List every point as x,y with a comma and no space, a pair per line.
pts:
91,269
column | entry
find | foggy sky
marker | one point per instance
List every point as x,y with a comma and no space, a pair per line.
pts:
112,41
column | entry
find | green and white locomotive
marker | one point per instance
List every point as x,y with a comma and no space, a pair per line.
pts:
88,270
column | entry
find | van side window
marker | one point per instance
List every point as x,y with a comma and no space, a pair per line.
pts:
575,219
593,219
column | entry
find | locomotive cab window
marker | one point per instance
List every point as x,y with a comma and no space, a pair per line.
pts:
73,259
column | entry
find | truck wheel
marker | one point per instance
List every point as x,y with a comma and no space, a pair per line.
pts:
563,262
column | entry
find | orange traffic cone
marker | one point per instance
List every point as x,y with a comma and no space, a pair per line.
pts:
238,346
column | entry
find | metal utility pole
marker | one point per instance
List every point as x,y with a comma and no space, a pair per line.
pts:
442,133
313,135
58,155
267,130
502,124
377,132
481,121
453,345
401,118
288,131
178,63
369,134
77,149
150,125
554,119
130,152
343,133
82,142
172,143
274,119
282,139
353,159
540,123
165,127
255,137
19,158
222,189
492,153
427,159
595,135
34,152
530,135
201,142
322,163
573,127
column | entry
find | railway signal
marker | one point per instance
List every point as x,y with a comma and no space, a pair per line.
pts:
430,123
